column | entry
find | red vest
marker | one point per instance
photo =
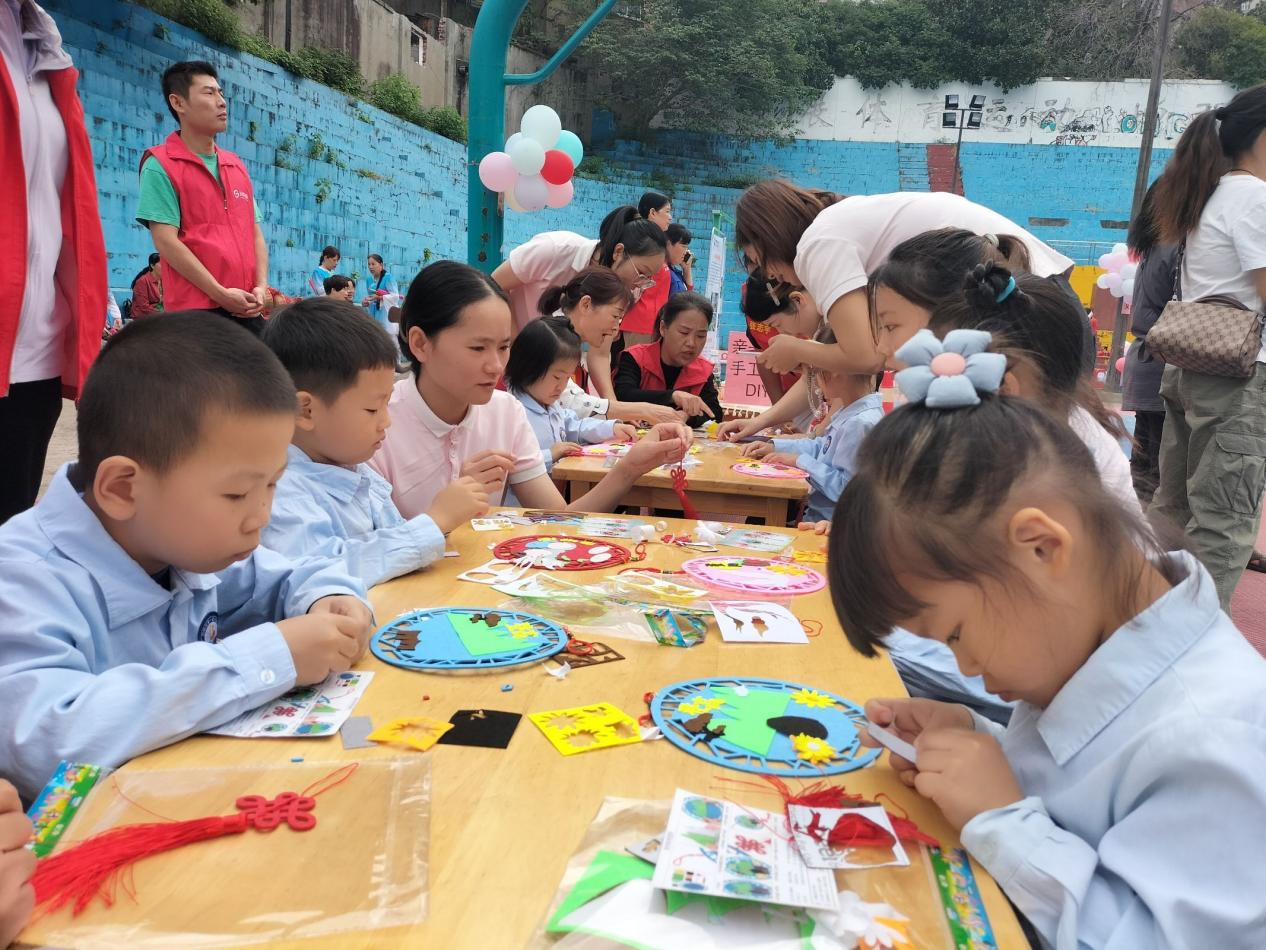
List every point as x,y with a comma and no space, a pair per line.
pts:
691,379
640,318
217,222
81,271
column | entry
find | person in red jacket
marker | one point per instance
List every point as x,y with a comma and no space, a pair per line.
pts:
638,325
670,371
199,205
54,268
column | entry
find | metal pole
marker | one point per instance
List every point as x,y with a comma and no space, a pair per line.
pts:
962,118
1141,175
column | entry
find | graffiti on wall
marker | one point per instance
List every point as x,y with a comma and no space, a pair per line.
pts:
1048,112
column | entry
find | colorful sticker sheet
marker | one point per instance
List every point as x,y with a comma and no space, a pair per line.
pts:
586,728
964,910
721,849
767,542
304,712
612,528
55,808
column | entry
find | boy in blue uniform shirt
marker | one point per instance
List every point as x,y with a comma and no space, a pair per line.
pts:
135,605
329,502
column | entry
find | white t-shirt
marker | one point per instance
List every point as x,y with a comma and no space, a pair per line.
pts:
1228,243
1110,460
851,238
551,257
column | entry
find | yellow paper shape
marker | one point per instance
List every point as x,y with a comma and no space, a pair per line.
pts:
585,728
416,732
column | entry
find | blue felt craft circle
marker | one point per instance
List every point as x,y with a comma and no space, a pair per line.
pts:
432,639
841,721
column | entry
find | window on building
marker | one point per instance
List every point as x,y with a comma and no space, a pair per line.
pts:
417,46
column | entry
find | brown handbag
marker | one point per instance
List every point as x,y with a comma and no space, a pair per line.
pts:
1217,336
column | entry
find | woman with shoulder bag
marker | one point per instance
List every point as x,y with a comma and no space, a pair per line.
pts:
1211,201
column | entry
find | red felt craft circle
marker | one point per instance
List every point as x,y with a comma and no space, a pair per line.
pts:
585,554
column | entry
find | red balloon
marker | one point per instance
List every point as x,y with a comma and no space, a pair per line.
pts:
558,167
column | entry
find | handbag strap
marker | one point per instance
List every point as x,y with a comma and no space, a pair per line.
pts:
1176,292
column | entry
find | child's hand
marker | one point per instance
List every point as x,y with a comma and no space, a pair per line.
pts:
624,432
691,405
345,605
757,450
321,643
965,773
737,429
489,468
458,502
817,527
909,718
781,458
17,864
563,449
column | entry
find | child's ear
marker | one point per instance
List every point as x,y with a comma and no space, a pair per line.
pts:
304,419
1040,541
1010,385
115,487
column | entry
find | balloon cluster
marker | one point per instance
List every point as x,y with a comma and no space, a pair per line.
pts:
1119,272
534,171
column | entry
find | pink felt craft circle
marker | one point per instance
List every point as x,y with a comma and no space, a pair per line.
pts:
754,575
761,469
948,364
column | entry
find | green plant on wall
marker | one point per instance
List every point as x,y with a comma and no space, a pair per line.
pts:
324,187
316,146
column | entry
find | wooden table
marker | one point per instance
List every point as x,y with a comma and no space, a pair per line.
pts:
504,823
713,486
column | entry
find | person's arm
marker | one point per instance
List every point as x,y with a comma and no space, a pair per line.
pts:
176,254
260,290
506,278
586,431
17,864
795,402
628,384
598,363
772,382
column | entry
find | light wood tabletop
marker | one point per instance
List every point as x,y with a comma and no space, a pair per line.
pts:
713,485
505,822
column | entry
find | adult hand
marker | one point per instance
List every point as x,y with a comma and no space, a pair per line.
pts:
490,468
654,414
782,354
737,429
240,303
262,297
965,773
17,864
671,430
908,718
651,453
691,405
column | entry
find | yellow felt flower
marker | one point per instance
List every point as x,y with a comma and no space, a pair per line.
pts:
814,751
700,705
786,569
812,698
520,631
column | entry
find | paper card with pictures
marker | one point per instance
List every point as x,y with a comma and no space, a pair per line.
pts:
757,622
767,542
612,528
304,712
846,838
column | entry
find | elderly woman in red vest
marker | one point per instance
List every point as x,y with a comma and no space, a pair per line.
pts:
54,267
670,371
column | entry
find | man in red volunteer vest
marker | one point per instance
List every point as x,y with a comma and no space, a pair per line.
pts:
199,205
53,270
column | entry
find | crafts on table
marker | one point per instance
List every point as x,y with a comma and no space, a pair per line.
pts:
452,638
762,469
586,728
755,575
555,552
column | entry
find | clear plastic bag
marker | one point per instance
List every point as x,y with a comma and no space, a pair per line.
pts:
362,868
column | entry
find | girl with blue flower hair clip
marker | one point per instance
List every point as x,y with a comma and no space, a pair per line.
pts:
977,521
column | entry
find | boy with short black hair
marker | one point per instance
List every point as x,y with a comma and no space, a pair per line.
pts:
329,501
136,607
339,287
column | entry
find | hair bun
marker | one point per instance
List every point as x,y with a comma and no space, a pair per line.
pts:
1220,113
985,286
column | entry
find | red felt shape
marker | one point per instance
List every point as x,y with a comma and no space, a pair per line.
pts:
576,559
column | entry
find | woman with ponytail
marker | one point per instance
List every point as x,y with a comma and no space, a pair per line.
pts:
1211,200
627,243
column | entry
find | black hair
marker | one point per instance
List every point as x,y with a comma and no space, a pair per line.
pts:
679,304
153,259
678,234
178,79
1036,321
930,486
324,344
330,251
1207,150
652,201
540,345
437,297
155,381
336,282
928,269
639,236
600,284
758,304
378,258
1144,233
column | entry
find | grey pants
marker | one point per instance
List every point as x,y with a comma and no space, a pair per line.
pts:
1213,468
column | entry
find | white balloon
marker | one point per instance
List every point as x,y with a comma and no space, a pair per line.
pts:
1129,270
528,156
516,137
1127,288
511,203
1102,281
542,124
532,192
1120,248
1114,284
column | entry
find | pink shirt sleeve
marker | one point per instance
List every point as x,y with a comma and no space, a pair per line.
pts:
528,463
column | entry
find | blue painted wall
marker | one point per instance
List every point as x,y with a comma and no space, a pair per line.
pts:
416,210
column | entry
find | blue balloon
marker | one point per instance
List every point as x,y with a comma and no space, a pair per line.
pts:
569,142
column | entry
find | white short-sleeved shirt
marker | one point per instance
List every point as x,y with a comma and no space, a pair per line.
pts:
1228,243
851,238
550,258
1109,457
422,453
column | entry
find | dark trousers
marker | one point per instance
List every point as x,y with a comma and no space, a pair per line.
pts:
254,324
1145,456
28,416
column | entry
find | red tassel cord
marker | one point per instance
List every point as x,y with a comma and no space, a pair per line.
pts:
93,867
679,487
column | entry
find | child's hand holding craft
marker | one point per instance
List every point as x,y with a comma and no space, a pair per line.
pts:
624,432
965,773
781,458
322,643
561,450
17,864
909,718
757,450
458,502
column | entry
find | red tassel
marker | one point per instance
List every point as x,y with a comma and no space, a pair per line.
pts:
679,487
823,795
858,831
91,869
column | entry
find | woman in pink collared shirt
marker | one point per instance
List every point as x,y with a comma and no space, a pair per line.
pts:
449,420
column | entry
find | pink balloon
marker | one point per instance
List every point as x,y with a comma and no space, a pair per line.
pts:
531,192
560,195
1120,365
497,172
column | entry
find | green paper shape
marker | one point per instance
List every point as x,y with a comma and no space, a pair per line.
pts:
745,717
479,639
608,870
